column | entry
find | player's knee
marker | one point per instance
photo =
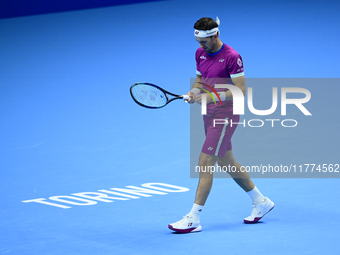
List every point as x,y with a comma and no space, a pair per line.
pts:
207,160
227,159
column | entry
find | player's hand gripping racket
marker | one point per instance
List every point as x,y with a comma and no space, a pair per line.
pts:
151,96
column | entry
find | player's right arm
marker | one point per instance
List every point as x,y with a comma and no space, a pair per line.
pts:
191,94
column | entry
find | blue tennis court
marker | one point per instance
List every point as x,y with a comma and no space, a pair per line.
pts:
85,170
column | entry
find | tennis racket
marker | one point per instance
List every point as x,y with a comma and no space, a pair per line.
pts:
152,96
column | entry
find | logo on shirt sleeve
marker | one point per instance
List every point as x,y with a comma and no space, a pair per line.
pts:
239,62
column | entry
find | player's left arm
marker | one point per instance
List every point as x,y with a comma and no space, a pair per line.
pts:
239,82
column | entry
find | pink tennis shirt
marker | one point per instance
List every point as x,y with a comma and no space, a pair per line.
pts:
218,68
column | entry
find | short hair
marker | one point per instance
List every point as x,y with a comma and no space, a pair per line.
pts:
205,24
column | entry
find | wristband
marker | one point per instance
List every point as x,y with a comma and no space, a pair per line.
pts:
196,91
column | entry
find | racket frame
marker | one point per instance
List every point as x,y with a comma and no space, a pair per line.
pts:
161,89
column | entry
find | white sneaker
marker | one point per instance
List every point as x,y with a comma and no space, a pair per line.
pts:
186,225
259,210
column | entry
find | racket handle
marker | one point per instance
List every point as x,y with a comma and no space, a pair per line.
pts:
185,97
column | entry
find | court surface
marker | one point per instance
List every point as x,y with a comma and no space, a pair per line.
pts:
70,131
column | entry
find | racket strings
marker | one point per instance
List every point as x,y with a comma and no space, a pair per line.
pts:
149,95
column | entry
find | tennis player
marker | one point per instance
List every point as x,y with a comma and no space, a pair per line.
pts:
218,63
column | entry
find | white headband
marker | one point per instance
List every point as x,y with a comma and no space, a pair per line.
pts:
207,33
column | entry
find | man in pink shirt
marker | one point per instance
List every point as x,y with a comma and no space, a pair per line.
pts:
218,63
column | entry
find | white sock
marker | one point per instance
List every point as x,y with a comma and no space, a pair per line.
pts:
196,211
256,196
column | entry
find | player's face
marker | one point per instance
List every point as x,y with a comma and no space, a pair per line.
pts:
207,43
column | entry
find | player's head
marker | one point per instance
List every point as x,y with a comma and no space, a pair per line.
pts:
205,24
207,33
